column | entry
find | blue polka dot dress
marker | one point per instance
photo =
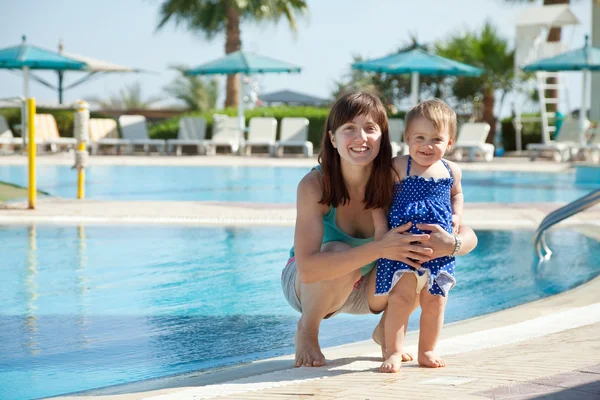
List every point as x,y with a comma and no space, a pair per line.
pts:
420,200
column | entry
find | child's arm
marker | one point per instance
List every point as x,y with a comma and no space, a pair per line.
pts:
457,197
380,223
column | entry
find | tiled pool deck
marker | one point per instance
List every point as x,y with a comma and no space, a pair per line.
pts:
548,349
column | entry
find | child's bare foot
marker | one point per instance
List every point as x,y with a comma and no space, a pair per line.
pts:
308,351
392,363
430,360
378,338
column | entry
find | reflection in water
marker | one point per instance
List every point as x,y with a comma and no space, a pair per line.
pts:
189,343
551,274
31,288
83,285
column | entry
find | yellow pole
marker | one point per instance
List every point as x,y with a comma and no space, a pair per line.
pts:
32,190
81,132
81,175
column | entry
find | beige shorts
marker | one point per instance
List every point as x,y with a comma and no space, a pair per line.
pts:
357,302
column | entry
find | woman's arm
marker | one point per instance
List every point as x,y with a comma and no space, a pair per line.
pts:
443,243
314,265
457,197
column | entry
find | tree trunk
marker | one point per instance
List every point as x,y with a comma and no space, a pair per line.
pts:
488,113
233,42
553,36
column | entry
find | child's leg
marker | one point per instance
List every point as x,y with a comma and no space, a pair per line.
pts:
400,304
432,320
379,337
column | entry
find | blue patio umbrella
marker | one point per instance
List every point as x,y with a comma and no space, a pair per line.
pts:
585,59
417,62
27,57
242,62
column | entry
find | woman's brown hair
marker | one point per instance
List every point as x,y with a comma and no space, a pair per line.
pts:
379,190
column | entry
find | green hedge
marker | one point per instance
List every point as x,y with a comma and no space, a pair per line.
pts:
316,116
531,132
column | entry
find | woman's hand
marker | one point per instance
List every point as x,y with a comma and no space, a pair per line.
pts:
398,245
441,242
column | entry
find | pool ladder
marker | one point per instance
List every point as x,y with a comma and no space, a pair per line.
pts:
576,206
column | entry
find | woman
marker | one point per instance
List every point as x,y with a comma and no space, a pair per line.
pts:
331,266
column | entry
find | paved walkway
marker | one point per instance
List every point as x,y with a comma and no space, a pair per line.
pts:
67,211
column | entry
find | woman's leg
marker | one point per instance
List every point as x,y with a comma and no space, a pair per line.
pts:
400,305
432,320
318,300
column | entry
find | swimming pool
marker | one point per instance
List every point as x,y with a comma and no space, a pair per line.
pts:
270,184
88,307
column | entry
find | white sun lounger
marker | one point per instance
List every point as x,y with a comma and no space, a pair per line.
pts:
6,136
262,131
134,129
47,132
396,128
192,131
225,132
591,151
294,133
101,129
565,145
471,139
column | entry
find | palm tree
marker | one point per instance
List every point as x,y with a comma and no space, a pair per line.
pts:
213,17
490,52
128,98
199,94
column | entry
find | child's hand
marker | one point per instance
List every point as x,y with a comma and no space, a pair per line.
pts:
455,223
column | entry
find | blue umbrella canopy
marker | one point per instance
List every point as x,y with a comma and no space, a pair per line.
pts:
243,62
32,57
585,58
419,61
37,58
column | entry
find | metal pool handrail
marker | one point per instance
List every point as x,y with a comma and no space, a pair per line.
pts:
576,206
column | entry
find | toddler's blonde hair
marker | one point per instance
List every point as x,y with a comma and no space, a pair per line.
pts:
440,114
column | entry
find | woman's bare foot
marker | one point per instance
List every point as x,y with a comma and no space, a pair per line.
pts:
308,351
378,338
430,360
392,363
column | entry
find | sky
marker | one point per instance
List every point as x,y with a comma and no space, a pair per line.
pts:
124,32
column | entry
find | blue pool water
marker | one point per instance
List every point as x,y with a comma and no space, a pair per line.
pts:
84,308
270,184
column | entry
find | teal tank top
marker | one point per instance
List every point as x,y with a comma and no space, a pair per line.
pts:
332,233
